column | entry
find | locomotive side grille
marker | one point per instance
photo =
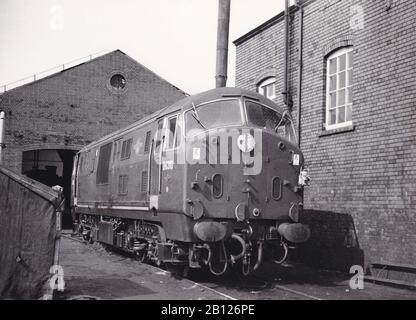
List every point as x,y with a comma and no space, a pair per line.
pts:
123,184
103,164
147,142
144,181
126,149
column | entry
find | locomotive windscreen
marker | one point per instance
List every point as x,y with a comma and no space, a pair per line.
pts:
261,116
213,115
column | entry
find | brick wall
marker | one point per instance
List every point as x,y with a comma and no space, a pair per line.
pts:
368,173
74,107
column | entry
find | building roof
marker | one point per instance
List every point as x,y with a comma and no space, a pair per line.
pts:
271,22
117,51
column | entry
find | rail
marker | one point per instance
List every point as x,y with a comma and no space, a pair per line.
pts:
50,71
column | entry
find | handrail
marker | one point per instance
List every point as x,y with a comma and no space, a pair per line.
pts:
50,71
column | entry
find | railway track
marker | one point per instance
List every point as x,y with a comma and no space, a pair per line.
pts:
237,286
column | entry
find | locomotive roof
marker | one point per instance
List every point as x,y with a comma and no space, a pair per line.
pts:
186,104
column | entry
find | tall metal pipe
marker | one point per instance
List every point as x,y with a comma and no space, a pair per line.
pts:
2,129
222,42
300,71
286,97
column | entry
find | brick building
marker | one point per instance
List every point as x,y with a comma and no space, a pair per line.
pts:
48,120
352,73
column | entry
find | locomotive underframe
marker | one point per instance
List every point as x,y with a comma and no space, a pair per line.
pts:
246,245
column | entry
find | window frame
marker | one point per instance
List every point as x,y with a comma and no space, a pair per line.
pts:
348,86
175,145
265,83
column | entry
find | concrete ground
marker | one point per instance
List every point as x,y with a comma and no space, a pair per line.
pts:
92,272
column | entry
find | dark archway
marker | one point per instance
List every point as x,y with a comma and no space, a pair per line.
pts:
52,167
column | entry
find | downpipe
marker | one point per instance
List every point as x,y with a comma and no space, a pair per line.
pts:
2,135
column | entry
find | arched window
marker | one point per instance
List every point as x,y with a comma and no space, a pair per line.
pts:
268,88
339,88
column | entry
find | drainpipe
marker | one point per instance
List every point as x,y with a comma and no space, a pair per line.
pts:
286,94
300,70
222,42
2,129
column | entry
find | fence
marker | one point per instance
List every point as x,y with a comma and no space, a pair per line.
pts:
29,236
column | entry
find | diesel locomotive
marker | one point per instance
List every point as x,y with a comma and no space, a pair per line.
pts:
213,181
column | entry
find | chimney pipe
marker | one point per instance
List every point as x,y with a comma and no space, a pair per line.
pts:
222,42
2,145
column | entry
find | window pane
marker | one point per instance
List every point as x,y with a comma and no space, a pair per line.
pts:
349,113
270,90
172,131
333,66
342,80
333,98
350,77
332,116
341,97
341,115
333,83
342,62
349,95
350,60
214,115
262,116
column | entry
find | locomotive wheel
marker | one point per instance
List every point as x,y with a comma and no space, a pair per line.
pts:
178,271
141,255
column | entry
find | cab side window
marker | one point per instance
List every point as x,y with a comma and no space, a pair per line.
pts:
172,132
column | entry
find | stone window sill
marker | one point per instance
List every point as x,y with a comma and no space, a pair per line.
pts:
332,132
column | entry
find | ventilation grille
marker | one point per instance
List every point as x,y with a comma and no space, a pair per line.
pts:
147,142
144,181
103,164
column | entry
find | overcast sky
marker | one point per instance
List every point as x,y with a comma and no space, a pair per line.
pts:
174,38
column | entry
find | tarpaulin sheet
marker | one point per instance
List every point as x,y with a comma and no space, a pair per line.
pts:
27,235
